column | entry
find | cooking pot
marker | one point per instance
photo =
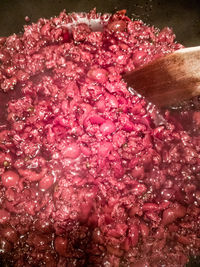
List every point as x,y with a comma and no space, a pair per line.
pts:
182,15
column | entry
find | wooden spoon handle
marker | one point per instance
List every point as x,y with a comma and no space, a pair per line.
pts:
168,79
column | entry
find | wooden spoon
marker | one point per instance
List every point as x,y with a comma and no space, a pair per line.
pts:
169,79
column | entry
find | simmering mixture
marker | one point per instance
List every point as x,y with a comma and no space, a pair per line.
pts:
88,176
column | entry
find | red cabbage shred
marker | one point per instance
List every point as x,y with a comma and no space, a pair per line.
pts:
87,178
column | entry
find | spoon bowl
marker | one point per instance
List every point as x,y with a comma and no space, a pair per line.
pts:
170,79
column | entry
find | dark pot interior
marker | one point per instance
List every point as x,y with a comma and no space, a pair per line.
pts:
182,15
